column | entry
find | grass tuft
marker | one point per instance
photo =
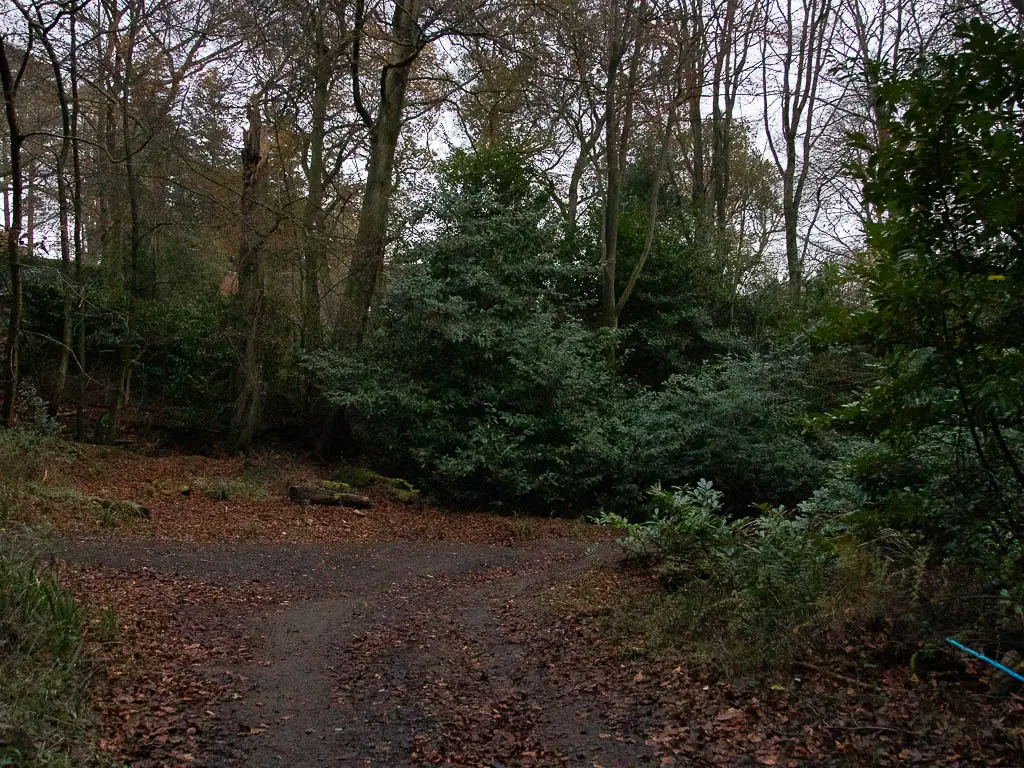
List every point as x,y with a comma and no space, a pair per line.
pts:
44,713
248,486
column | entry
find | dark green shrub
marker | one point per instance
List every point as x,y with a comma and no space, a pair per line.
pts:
188,361
479,377
738,588
944,280
742,423
929,489
483,380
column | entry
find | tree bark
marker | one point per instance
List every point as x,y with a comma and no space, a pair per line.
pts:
695,90
613,178
132,270
790,216
30,169
313,209
76,167
385,129
10,81
63,207
661,163
722,106
251,287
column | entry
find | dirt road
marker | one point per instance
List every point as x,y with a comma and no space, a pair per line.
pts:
407,653
237,629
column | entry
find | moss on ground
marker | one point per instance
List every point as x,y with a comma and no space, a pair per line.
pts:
364,478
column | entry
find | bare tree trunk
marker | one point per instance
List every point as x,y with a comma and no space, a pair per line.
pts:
68,323
585,157
29,171
613,179
695,90
63,206
251,288
368,249
313,213
76,163
721,119
790,217
131,271
10,81
6,189
661,163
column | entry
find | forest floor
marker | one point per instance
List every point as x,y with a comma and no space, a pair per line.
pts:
235,628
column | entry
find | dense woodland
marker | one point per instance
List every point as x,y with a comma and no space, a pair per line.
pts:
544,257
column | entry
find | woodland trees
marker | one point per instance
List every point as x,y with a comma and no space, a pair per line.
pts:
251,279
792,76
741,278
444,208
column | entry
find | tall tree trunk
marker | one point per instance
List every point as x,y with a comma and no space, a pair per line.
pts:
10,81
790,216
659,169
694,67
251,287
585,157
313,210
613,177
721,121
6,188
109,222
67,287
29,172
63,216
371,232
132,269
76,165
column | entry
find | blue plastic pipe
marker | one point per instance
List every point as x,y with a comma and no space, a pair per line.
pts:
986,659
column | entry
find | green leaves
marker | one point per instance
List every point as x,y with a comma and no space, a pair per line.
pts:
479,376
946,282
483,379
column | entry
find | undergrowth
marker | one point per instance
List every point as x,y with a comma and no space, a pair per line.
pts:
27,454
30,456
263,476
45,719
761,592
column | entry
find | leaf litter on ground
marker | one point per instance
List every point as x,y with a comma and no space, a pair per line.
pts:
160,703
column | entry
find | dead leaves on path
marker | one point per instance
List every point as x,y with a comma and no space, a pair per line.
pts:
518,679
156,693
811,716
506,681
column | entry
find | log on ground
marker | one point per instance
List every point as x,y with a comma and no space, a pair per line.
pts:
311,494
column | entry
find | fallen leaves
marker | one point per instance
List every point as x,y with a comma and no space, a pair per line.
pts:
494,665
195,517
155,703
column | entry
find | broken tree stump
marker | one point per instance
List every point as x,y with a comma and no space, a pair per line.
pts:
312,494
